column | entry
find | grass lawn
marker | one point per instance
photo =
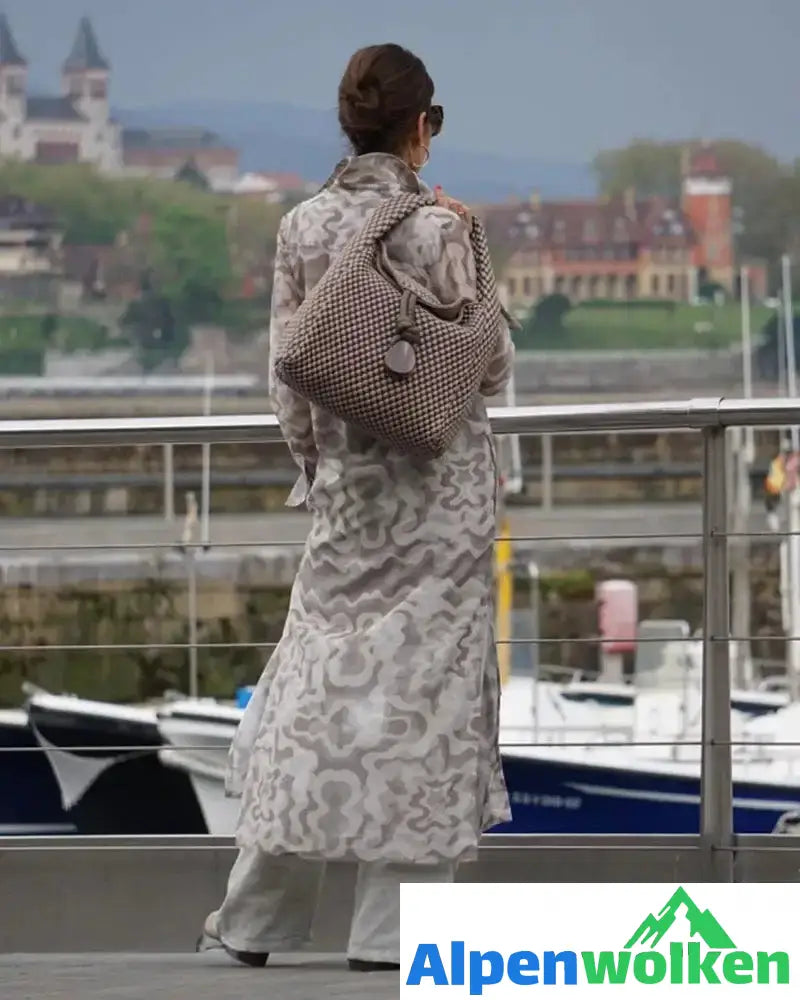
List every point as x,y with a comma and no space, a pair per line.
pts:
24,340
590,328
69,333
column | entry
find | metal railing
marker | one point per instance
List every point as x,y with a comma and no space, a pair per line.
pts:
693,414
716,841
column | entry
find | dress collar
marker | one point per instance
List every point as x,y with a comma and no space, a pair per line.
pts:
380,172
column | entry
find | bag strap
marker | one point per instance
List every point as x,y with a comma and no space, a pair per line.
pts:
392,211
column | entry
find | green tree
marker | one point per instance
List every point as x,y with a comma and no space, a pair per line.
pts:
91,209
152,328
544,326
550,312
191,262
651,168
195,244
765,197
252,238
191,174
767,353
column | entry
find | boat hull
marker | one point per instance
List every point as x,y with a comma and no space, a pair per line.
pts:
552,795
30,803
113,791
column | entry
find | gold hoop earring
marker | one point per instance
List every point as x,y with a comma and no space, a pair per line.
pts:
426,150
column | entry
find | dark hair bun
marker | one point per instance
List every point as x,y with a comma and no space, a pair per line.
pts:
382,93
360,107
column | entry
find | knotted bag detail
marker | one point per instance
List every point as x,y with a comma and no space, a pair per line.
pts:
401,358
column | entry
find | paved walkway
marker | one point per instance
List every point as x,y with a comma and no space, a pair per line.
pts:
211,976
285,528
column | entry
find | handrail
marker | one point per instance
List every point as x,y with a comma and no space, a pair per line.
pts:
691,414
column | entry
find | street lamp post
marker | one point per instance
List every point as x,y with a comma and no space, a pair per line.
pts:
793,494
743,446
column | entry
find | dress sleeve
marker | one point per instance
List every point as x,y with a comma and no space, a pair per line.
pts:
439,255
292,410
502,364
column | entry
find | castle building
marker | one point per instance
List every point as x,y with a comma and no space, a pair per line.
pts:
74,126
624,247
77,125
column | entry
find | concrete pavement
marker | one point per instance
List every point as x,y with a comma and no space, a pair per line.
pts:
210,976
590,526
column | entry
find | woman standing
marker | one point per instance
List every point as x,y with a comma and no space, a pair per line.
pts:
372,734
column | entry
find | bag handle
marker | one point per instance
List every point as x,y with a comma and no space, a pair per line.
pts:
392,211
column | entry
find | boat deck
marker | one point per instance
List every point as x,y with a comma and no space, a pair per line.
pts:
210,976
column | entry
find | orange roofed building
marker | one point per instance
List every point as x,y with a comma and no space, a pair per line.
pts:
273,187
621,248
165,152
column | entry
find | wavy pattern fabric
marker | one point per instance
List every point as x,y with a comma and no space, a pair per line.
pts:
372,733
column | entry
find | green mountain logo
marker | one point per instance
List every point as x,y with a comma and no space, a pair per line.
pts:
702,924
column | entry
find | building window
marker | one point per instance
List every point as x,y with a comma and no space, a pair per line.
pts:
671,284
560,231
76,87
15,86
57,152
590,231
526,286
17,131
620,230
512,286
98,90
655,285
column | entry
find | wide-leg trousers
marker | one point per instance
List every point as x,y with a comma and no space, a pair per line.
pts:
271,901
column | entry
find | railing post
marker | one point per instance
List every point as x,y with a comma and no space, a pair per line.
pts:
191,572
547,472
169,484
716,783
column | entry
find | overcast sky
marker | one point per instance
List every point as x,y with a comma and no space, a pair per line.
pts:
553,79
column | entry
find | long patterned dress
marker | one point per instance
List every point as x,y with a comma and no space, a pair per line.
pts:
372,733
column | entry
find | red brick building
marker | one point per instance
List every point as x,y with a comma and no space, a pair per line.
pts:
622,248
707,204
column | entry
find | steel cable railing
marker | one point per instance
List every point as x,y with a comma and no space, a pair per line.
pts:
708,416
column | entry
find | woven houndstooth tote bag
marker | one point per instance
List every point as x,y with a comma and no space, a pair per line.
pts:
377,350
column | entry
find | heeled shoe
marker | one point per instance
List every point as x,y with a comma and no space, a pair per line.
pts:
360,965
253,959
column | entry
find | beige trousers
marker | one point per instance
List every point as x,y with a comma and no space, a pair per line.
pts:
271,900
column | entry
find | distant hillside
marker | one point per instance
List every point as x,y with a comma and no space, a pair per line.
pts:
281,137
